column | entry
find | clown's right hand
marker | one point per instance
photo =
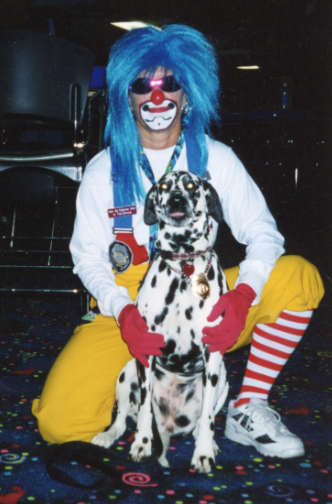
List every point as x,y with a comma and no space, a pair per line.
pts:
135,333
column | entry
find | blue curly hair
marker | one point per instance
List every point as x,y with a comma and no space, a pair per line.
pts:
192,59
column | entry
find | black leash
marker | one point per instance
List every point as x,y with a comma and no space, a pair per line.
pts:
94,456
87,454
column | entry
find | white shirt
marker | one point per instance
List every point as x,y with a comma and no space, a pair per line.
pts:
244,209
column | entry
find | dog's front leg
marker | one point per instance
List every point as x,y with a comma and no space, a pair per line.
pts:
142,445
205,446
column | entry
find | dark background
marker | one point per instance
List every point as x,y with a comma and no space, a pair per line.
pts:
291,42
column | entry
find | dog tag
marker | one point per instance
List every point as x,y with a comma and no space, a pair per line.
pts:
200,286
188,269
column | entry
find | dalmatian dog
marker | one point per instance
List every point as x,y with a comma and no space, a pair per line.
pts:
185,387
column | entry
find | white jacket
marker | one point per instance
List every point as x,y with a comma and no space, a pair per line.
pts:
244,208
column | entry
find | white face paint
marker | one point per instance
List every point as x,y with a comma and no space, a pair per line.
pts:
158,117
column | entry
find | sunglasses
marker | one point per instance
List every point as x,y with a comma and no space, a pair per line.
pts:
144,85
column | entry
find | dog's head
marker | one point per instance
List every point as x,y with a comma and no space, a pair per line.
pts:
182,200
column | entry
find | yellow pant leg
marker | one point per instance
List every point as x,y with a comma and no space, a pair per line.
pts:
77,399
294,285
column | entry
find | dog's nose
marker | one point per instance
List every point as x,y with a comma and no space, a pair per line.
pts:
177,196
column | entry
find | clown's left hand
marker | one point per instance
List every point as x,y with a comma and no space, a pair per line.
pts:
234,305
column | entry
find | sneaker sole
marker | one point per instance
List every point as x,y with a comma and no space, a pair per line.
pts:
244,440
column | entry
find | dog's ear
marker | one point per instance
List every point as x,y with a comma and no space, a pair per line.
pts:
213,202
150,216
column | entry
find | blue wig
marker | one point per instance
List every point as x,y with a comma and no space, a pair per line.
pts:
191,58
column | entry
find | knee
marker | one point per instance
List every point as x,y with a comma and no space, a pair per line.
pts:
304,278
55,427
49,429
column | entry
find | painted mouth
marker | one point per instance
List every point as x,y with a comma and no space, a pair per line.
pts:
160,117
159,110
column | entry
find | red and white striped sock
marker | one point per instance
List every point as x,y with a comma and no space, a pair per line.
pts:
271,347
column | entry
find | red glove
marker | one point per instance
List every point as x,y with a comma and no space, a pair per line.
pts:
134,332
234,305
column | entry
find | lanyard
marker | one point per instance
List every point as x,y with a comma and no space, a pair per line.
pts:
124,219
145,164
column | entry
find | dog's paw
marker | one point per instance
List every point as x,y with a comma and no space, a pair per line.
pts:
216,448
104,439
203,461
140,450
163,461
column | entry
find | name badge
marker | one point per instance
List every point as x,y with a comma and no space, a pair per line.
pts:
121,256
122,211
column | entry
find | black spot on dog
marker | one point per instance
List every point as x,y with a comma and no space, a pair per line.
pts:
140,450
162,266
201,303
122,377
178,330
167,236
207,354
204,379
145,440
153,328
170,347
141,370
188,313
161,225
182,421
161,317
143,395
220,283
132,398
134,386
189,396
183,285
181,386
164,407
214,380
212,426
172,290
211,274
192,333
154,281
159,374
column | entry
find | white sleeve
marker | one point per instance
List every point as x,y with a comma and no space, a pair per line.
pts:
90,243
247,215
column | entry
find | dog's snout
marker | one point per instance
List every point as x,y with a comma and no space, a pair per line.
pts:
177,198
177,195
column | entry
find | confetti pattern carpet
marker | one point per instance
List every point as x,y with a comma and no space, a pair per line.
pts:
33,333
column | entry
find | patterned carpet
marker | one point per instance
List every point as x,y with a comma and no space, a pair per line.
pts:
32,334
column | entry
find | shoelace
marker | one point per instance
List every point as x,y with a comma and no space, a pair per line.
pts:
263,413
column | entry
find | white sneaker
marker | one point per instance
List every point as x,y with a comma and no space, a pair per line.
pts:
256,424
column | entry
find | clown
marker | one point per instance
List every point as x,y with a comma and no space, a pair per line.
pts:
163,93
156,102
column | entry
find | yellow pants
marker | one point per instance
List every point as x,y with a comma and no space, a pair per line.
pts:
78,396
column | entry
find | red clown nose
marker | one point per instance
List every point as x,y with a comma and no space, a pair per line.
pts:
157,97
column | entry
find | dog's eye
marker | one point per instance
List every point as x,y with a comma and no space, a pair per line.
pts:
190,185
164,186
